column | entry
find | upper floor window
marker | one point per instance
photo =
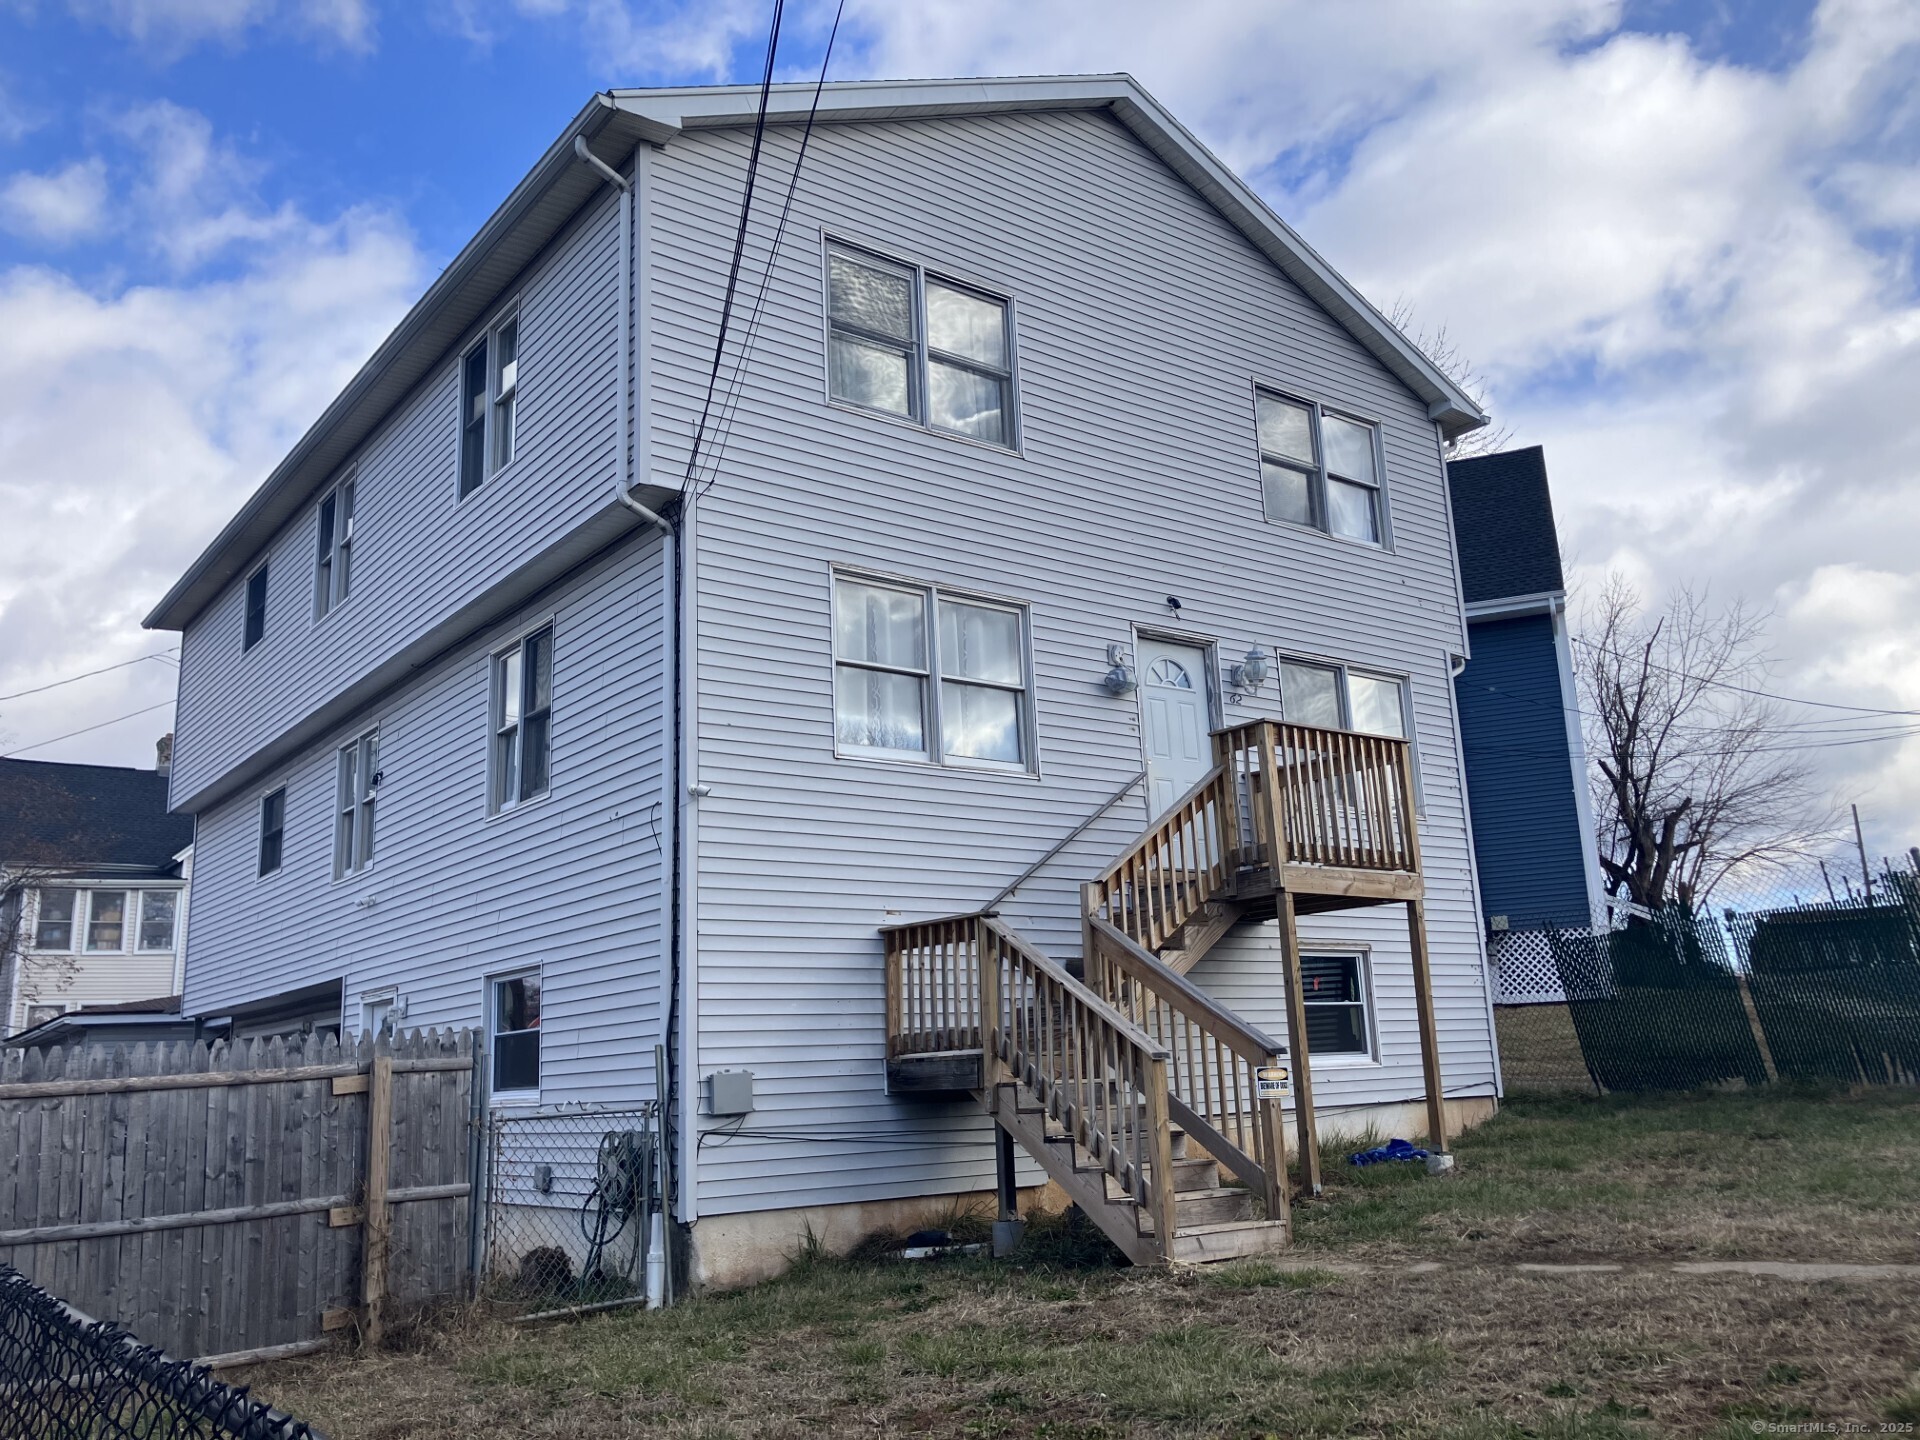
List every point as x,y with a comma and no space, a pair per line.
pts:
357,789
1335,697
256,622
273,829
912,344
106,919
913,663
489,394
53,928
1318,468
159,914
333,573
522,719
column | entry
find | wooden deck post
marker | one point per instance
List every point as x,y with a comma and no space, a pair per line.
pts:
993,1069
376,1236
1298,1057
1429,1031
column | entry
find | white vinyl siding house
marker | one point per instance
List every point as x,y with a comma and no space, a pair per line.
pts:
995,433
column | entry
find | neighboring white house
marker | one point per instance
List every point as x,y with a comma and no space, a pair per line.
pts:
1058,469
97,873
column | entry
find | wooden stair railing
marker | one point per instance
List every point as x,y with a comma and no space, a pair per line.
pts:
1178,865
1216,1060
1091,1070
933,986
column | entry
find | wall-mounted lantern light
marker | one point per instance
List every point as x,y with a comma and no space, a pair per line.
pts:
1119,679
1250,674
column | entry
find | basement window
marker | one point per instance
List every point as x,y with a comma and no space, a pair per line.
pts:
514,1022
1333,989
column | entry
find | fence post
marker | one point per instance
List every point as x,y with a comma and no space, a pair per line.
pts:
376,1237
1759,1032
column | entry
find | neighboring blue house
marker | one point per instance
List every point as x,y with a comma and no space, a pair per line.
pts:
1520,721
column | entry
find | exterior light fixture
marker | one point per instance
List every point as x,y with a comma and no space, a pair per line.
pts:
1120,678
1251,673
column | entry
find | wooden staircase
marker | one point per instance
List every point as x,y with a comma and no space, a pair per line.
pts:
1154,1107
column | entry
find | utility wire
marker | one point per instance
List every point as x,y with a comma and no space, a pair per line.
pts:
88,675
84,730
1741,689
739,239
730,406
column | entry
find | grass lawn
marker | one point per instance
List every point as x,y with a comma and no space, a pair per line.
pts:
1050,1345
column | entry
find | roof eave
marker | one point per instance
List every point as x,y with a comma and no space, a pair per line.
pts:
450,307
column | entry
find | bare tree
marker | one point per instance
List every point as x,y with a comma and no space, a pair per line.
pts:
1697,778
1439,347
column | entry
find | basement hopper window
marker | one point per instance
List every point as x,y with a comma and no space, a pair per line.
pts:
909,343
913,662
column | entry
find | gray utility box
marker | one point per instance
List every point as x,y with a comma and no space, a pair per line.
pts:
730,1092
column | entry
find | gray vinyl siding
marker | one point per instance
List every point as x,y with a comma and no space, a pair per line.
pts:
570,882
1143,323
420,551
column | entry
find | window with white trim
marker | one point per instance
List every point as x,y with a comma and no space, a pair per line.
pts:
53,921
914,344
1337,697
41,1014
1333,992
514,1025
106,920
333,564
254,629
489,404
1319,468
522,720
159,915
355,792
273,829
923,674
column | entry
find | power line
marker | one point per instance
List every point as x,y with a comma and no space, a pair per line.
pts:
739,239
730,406
84,730
1741,689
88,675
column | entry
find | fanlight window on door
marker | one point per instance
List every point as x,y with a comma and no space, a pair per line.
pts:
1170,673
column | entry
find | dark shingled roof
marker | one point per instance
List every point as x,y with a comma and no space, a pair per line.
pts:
85,815
1503,521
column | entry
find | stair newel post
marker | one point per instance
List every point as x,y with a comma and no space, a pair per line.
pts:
993,1068
1233,840
1272,1120
1091,968
1299,1060
1160,1147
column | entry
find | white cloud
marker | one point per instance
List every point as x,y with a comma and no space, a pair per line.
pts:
172,27
138,417
69,204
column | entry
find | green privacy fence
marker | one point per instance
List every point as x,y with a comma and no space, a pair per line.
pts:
1822,990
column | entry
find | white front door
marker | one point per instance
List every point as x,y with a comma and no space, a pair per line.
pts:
1174,720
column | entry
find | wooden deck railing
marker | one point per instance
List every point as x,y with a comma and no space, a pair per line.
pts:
933,986
1181,862
1216,1058
1343,798
1092,1070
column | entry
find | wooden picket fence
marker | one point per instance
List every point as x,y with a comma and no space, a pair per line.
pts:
241,1201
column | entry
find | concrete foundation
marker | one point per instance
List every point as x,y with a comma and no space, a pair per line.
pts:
729,1251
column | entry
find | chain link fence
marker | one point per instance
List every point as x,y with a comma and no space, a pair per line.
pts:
570,1200
1807,976
65,1377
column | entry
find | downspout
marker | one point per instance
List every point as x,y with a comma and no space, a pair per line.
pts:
669,828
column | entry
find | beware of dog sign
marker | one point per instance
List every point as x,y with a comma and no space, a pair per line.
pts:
1273,1082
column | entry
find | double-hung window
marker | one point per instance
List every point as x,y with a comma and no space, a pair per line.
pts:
159,912
909,343
522,719
921,674
1335,697
514,1022
53,925
333,566
1333,989
273,829
489,401
357,789
256,615
1318,468
106,919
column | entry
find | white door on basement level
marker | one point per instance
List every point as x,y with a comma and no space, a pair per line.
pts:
1174,720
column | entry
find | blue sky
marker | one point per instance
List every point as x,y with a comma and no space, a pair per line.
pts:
1676,238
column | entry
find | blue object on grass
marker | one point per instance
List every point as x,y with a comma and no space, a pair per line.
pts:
1392,1150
